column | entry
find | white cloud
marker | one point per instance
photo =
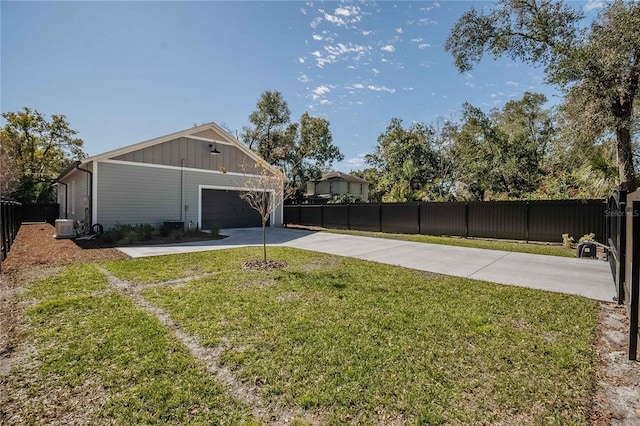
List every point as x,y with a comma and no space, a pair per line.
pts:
408,89
592,5
358,86
512,83
304,78
429,8
357,161
315,22
325,102
375,70
317,54
426,21
388,48
301,60
366,33
317,37
347,11
470,84
417,40
380,89
336,20
399,30
423,45
322,90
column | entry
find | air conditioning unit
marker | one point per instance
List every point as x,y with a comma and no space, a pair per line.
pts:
64,228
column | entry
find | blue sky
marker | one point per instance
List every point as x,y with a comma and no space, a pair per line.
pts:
124,72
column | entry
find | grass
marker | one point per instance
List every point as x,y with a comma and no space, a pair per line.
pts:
354,342
111,362
366,343
504,245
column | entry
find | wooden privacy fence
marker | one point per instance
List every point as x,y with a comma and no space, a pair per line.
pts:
10,221
539,220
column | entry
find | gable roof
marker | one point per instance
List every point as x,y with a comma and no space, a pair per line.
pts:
343,176
189,133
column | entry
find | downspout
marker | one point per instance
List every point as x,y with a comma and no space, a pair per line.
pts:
90,191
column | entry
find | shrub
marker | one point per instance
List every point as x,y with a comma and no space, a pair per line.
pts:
144,231
131,237
130,234
567,240
588,237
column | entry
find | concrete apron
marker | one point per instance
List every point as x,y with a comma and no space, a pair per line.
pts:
584,277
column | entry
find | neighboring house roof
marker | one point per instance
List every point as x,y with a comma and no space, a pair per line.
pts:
188,133
343,176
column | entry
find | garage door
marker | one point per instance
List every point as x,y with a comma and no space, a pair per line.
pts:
225,209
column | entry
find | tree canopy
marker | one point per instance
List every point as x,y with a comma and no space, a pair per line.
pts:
302,150
34,152
598,67
408,164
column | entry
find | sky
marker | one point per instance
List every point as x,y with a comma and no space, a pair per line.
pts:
125,72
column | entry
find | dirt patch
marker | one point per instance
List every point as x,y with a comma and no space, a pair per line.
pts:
263,265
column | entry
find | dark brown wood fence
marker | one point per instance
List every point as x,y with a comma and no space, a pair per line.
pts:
539,220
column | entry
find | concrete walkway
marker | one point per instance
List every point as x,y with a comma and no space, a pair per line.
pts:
585,277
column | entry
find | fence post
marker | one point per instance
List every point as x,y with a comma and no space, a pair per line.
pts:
349,216
380,216
466,220
321,215
526,234
419,217
621,273
299,214
634,285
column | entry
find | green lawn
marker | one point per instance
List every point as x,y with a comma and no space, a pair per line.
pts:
354,342
548,249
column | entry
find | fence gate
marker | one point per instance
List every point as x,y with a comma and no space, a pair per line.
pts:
632,269
616,234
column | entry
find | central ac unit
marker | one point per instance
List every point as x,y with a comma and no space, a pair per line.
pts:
64,228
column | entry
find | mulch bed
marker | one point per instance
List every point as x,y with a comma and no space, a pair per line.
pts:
35,246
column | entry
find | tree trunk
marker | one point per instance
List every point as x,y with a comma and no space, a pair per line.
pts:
625,160
264,241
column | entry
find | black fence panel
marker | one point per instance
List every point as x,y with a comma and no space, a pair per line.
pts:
616,240
498,219
335,216
10,221
443,219
365,217
538,220
400,218
40,212
548,220
310,215
291,214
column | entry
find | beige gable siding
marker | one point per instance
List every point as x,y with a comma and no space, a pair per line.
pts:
148,194
192,153
210,134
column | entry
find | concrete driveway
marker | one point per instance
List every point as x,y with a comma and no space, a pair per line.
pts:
585,277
